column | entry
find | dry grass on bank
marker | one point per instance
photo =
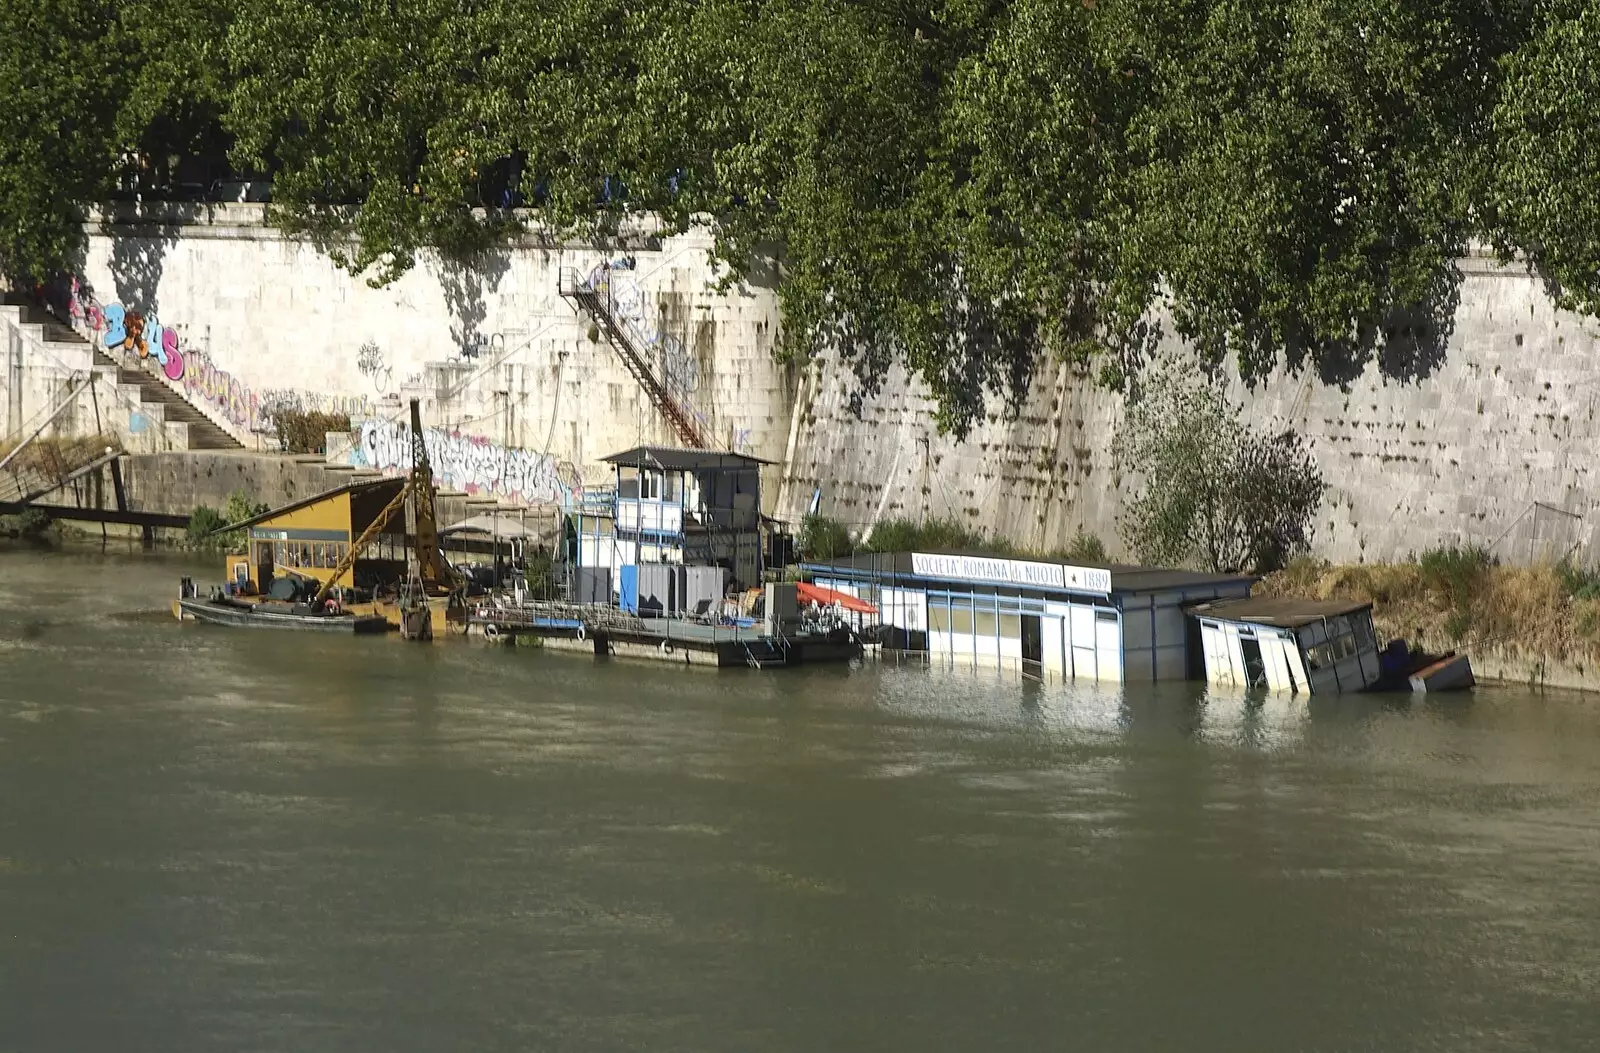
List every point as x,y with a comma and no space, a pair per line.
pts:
1457,598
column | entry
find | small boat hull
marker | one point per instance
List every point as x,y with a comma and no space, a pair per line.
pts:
1452,673
258,616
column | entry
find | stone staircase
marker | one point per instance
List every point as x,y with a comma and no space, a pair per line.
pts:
152,391
140,390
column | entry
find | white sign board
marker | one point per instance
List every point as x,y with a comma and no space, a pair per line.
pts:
1012,572
1088,579
987,568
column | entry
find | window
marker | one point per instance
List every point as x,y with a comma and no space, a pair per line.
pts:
650,486
1011,626
938,619
961,620
1364,635
983,623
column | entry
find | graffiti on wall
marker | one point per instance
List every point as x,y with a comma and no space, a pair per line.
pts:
469,463
120,329
141,336
252,410
374,364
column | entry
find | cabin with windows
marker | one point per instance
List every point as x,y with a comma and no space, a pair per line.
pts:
679,528
309,538
1108,623
1288,644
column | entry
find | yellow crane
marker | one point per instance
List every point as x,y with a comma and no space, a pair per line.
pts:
436,575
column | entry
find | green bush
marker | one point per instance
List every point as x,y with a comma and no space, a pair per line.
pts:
29,525
904,535
1212,491
307,432
823,538
204,522
1581,583
540,574
1454,571
1085,548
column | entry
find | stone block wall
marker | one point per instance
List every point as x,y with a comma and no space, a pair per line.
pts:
1493,446
495,353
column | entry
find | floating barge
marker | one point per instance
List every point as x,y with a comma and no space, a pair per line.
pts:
608,631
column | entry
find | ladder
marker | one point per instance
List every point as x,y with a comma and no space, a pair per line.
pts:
594,297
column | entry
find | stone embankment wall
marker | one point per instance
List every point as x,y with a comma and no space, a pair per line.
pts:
1490,445
1493,445
506,368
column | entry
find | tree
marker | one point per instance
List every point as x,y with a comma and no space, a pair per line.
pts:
1545,198
57,146
964,188
1212,491
91,88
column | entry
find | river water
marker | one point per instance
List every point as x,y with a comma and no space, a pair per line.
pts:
213,839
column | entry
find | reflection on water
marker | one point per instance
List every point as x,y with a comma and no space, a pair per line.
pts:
217,839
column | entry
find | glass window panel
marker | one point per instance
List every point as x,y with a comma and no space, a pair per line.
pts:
1011,626
984,623
961,619
938,619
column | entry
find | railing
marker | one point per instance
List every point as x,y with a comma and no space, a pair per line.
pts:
594,296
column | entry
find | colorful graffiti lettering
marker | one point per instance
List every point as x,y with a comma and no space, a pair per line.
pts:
470,463
134,333
232,399
253,410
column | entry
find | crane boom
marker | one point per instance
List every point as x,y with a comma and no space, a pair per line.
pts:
431,564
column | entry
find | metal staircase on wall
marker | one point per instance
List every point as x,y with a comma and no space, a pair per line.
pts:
594,297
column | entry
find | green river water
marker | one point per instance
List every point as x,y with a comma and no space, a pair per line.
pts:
215,839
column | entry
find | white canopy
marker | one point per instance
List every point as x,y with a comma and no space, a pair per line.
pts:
503,524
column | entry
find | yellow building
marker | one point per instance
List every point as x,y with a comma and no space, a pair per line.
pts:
309,539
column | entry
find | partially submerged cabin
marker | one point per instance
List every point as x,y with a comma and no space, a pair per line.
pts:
1084,622
1288,644
309,538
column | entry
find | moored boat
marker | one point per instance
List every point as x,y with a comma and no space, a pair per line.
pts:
225,610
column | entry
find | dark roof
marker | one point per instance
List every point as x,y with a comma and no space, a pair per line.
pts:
1285,612
677,459
295,506
1124,578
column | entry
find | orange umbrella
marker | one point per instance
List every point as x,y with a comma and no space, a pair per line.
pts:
818,594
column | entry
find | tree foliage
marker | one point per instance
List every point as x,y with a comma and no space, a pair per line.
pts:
1212,491
953,186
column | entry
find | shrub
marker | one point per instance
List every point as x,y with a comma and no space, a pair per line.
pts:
300,431
1085,548
1215,492
204,522
903,535
1581,583
1454,571
540,574
823,538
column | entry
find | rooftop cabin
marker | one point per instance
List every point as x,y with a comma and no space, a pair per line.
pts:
677,507
308,538
1287,644
1086,622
